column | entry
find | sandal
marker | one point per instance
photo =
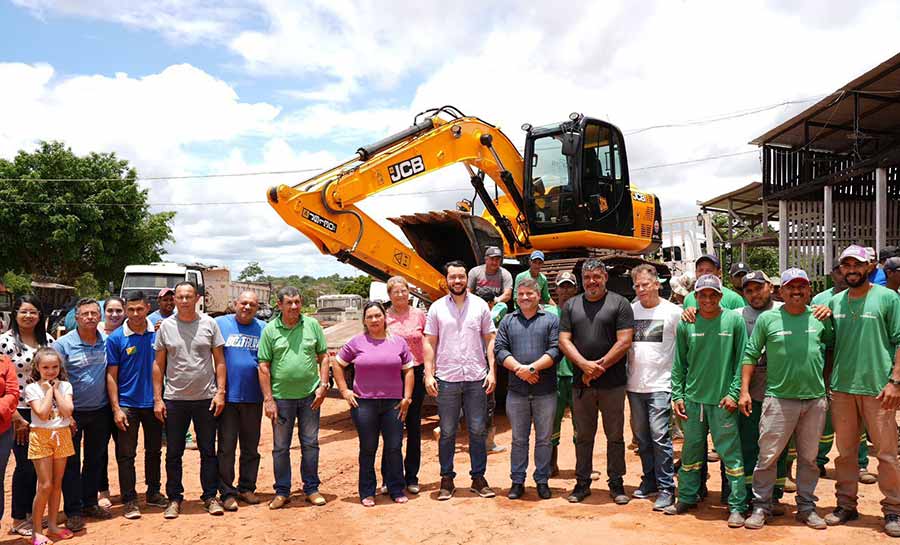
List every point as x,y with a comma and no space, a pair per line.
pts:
401,499
39,539
22,528
368,501
61,534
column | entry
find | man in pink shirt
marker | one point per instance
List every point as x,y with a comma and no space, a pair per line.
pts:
460,373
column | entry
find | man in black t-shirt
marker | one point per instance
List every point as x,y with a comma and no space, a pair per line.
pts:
595,332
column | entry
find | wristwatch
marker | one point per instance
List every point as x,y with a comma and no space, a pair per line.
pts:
894,382
531,369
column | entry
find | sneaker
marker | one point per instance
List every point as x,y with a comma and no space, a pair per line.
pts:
316,499
75,523
892,524
413,488
664,500
230,504
157,500
172,510
812,519
480,486
735,520
447,488
579,493
131,510
642,494
103,499
679,508
757,519
213,507
516,491
867,478
543,491
617,493
841,515
278,502
250,498
96,512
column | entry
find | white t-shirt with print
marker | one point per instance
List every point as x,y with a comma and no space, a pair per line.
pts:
653,348
34,392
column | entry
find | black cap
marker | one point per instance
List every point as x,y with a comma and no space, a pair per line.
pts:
711,258
888,252
739,268
759,277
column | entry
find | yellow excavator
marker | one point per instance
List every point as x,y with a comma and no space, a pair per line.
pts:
569,196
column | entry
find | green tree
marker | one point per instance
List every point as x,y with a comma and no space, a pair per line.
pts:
19,284
87,286
358,285
251,272
72,214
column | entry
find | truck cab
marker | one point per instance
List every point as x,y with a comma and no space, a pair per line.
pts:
155,276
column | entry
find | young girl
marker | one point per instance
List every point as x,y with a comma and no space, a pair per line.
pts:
50,440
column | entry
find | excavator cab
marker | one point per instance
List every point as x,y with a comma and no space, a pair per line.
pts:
576,178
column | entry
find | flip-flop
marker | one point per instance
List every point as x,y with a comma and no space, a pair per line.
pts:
400,499
63,533
368,501
40,540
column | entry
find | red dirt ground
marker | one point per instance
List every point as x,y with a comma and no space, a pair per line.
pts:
464,519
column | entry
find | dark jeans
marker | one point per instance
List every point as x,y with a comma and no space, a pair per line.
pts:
239,421
290,410
126,452
413,459
650,414
24,479
179,415
7,439
610,403
452,396
375,418
81,480
523,410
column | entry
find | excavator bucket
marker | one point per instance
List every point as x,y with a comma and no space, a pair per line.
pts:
439,237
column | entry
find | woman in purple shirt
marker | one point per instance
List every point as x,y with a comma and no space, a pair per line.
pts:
381,395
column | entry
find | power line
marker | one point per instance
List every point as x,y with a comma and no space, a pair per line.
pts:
692,161
167,178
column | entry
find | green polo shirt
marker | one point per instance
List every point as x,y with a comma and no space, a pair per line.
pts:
292,355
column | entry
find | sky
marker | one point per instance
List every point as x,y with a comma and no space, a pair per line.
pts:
182,88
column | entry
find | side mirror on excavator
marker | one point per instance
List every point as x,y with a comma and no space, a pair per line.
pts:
571,143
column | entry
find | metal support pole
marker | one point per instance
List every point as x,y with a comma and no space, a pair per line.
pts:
782,236
829,229
880,208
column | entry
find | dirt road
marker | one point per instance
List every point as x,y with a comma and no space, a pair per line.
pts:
464,519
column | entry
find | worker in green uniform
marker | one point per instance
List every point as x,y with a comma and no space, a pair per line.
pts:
535,262
566,288
705,388
709,264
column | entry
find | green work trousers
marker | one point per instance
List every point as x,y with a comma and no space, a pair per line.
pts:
563,400
706,419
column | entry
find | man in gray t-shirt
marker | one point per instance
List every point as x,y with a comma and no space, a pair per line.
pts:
492,275
189,354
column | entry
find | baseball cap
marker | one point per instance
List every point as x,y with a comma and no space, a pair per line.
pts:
892,264
888,252
711,258
756,276
537,254
566,276
165,291
708,282
870,251
492,251
792,275
855,252
738,268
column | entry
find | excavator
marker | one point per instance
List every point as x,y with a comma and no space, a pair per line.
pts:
569,196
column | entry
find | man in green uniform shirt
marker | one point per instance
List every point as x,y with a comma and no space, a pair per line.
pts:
709,264
865,386
705,388
535,262
566,288
794,403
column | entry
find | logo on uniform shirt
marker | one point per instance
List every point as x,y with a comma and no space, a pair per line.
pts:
131,350
784,333
648,331
725,334
239,340
698,334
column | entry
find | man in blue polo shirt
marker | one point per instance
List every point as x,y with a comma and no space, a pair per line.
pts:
129,381
83,352
242,415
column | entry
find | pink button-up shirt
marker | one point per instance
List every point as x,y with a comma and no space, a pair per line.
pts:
460,349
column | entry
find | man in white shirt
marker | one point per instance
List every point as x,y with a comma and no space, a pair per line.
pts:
649,385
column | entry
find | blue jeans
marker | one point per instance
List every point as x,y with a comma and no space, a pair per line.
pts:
650,413
290,410
179,415
376,418
452,396
522,410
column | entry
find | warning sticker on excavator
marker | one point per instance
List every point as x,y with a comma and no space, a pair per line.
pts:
406,169
319,220
401,258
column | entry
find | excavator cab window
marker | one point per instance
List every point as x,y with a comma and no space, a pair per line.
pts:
552,192
602,180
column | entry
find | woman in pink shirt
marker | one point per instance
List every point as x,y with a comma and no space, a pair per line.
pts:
408,322
381,395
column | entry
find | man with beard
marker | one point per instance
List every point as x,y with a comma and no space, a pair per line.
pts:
460,373
865,384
